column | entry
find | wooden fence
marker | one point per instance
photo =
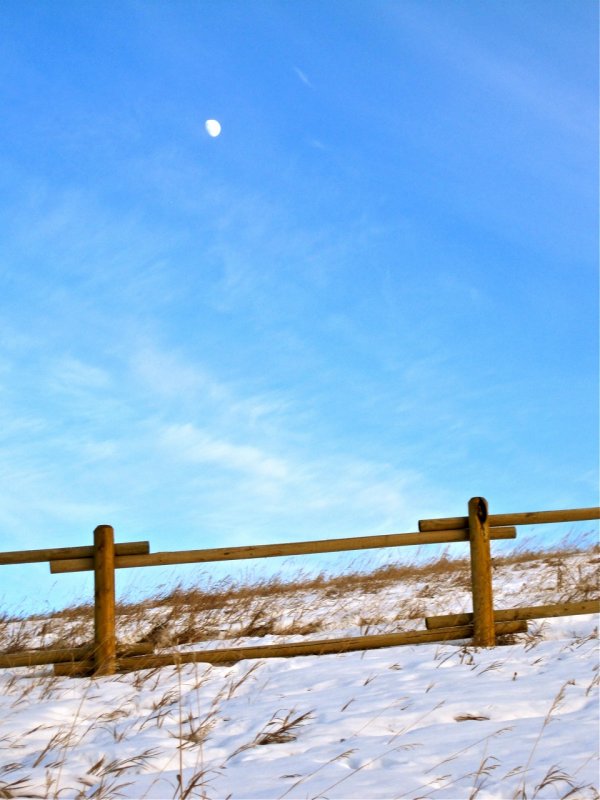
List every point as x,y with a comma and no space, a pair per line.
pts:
105,655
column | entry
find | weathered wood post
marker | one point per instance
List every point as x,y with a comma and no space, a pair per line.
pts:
105,646
484,634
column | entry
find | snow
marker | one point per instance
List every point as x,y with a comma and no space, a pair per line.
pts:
445,721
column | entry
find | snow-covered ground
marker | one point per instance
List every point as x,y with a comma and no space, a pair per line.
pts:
434,720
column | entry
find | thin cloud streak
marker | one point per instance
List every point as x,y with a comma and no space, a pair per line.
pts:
303,77
190,444
502,71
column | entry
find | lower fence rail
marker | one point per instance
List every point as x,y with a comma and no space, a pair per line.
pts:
37,658
316,647
530,612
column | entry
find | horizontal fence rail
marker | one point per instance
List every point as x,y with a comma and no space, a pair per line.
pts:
527,612
523,518
204,556
36,658
105,656
316,647
68,553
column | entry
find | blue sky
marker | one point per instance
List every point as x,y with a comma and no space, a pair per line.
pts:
372,297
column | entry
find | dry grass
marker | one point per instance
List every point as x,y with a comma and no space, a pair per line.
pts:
280,729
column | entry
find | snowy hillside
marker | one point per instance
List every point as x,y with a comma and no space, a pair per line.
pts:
442,721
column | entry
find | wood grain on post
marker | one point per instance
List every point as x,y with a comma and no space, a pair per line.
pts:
168,558
315,647
481,573
523,518
105,641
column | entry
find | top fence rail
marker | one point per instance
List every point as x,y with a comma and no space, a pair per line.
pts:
168,558
68,553
446,530
524,518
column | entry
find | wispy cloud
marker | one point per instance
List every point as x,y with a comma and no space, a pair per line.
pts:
157,434
194,445
303,77
512,72
72,374
165,373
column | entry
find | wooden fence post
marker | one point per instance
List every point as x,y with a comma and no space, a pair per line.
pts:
484,634
105,646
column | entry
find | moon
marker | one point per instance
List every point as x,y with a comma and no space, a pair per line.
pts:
213,127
